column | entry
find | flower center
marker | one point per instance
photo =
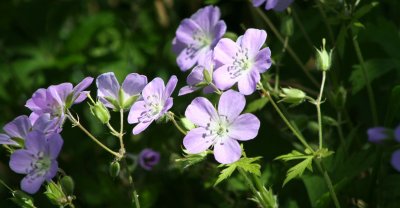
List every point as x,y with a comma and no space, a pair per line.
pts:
153,108
241,63
200,41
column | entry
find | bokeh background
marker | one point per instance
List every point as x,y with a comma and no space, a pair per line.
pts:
45,42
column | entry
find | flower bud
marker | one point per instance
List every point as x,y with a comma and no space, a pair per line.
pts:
101,112
207,76
187,124
55,194
67,185
287,26
292,96
22,199
114,169
324,59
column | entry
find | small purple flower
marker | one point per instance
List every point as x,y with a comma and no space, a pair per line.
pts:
19,128
114,96
196,79
55,99
221,129
395,161
277,5
242,62
196,36
397,133
37,160
156,102
148,158
378,134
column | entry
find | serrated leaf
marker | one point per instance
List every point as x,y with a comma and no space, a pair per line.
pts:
298,169
256,105
248,165
225,173
294,155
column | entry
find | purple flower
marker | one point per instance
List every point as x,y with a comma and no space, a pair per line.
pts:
114,96
397,133
18,129
377,134
196,36
221,129
277,5
148,158
196,79
156,102
55,99
242,62
37,160
395,161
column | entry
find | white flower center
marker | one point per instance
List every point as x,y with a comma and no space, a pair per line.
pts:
241,63
217,130
200,41
154,106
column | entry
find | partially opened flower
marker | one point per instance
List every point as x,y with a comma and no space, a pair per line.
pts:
222,128
395,161
378,134
242,62
156,102
277,5
115,96
196,36
148,158
200,77
57,98
38,160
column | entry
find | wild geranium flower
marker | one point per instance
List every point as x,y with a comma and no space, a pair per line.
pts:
17,129
197,80
395,161
156,102
197,35
55,99
37,160
277,5
114,96
378,134
148,158
242,62
222,128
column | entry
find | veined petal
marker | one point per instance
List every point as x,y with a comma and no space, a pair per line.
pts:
196,141
60,92
225,51
186,31
218,31
248,84
223,78
207,17
85,83
134,84
5,139
155,88
201,111
195,76
107,85
19,127
244,127
141,127
38,100
187,89
263,60
227,151
231,104
253,40
31,184
52,170
55,143
21,161
80,97
36,141
170,87
187,58
177,46
167,105
136,111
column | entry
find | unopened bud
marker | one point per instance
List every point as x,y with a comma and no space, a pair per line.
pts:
324,59
287,26
67,185
292,96
101,112
207,76
114,169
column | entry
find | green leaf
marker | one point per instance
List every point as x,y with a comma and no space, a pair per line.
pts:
256,105
191,159
298,169
248,165
294,155
374,67
364,10
225,173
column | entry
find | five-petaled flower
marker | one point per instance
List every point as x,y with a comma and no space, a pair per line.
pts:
197,36
242,62
57,98
148,158
37,160
221,129
114,96
277,5
156,102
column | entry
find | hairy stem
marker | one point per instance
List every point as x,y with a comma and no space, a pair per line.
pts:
171,116
253,189
121,132
135,197
328,182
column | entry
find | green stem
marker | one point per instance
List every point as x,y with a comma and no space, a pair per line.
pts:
135,198
75,122
263,192
371,96
328,182
288,48
253,189
283,117
5,185
171,116
318,104
121,132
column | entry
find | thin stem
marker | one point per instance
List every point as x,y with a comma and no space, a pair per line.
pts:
171,116
75,122
253,189
121,132
215,88
289,49
325,19
283,117
328,182
113,131
135,198
5,185
371,96
300,24
318,104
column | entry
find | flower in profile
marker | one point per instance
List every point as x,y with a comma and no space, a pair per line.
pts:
114,96
242,62
17,130
221,128
198,35
148,158
395,161
37,160
276,5
200,77
378,134
57,98
156,102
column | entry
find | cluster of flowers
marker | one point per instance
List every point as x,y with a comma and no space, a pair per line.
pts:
379,135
